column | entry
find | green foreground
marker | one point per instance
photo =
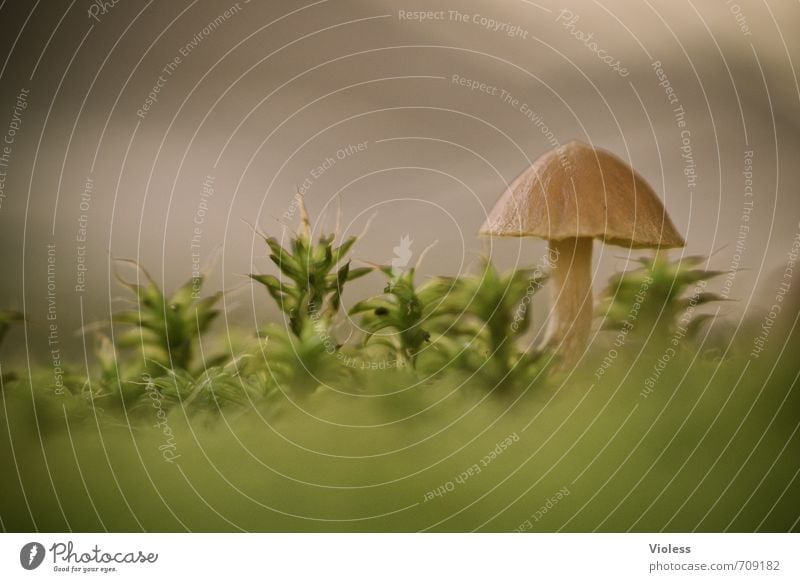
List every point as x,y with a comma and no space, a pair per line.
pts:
441,418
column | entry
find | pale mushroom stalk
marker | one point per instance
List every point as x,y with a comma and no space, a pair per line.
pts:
571,291
569,197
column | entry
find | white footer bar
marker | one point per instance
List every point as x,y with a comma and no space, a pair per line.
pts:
390,557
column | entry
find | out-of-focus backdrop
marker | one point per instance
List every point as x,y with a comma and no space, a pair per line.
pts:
168,131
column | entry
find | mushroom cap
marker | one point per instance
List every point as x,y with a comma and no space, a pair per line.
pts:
579,191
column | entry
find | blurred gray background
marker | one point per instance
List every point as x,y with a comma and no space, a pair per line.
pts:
266,92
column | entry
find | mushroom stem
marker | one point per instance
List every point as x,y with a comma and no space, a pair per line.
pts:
571,292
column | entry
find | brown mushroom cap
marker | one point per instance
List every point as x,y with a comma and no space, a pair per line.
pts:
579,191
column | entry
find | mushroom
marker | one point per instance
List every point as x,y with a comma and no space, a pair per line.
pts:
569,196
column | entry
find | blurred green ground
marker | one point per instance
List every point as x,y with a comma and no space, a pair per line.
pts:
714,447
